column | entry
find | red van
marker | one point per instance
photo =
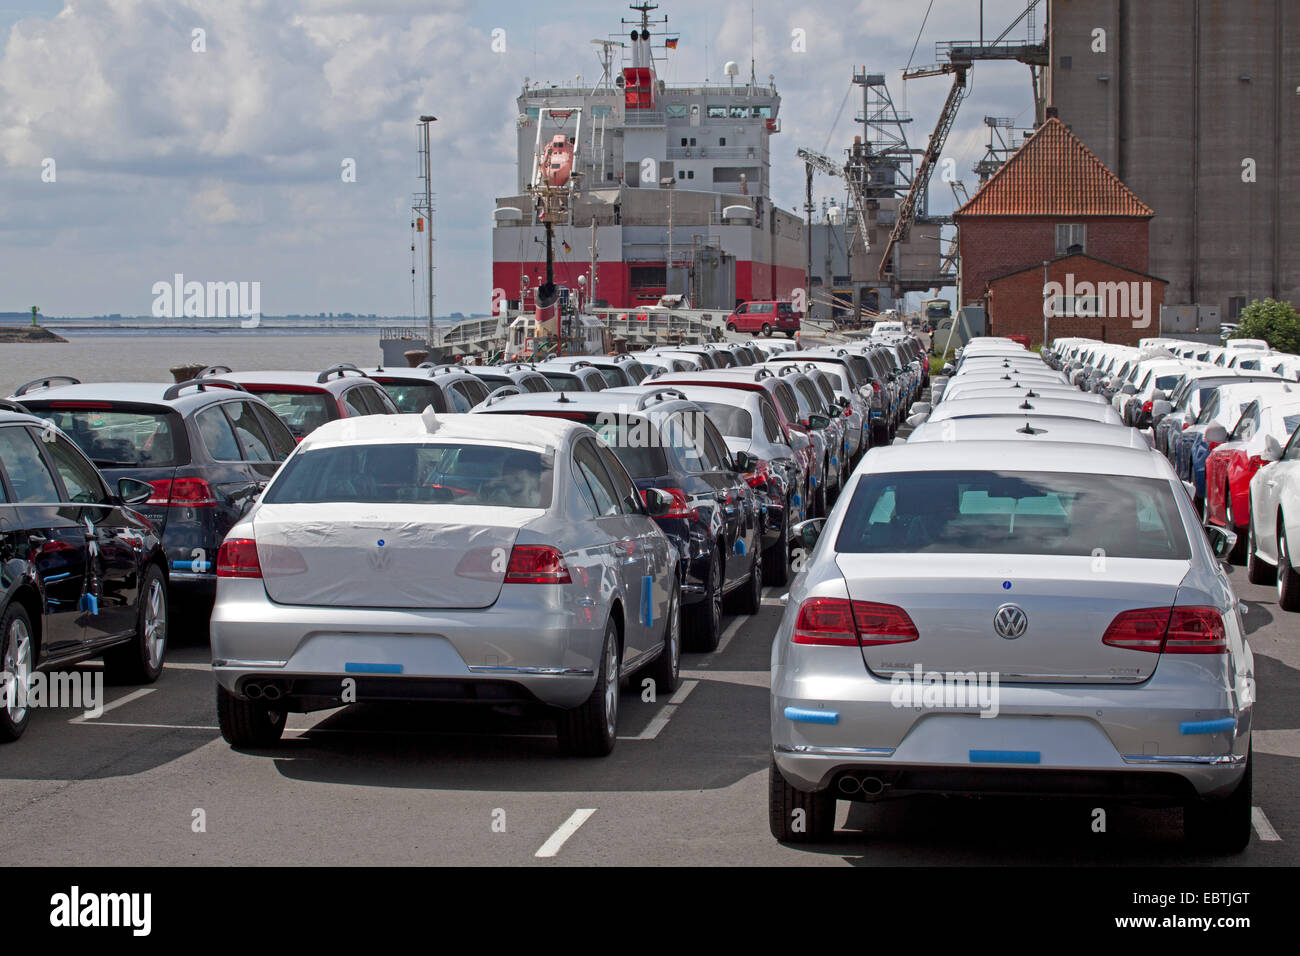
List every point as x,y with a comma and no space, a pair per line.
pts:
765,316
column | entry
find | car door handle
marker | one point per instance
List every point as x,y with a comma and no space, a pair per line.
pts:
37,540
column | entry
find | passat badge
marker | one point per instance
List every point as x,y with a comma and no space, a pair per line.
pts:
1010,621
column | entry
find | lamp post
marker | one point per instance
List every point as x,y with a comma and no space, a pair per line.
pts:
426,121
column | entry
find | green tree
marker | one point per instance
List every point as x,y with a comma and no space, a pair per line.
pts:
1277,323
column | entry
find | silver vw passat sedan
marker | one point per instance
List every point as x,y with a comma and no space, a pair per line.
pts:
1019,618
500,560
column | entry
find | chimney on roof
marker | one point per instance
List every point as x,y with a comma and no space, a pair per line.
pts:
1052,113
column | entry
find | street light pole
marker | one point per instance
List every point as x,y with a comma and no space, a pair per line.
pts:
426,121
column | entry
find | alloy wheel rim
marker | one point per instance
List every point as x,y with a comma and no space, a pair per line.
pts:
1283,562
611,688
155,624
17,667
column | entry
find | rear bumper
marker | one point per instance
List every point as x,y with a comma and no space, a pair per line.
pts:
1073,739
548,645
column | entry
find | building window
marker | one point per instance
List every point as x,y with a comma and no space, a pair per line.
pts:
717,112
1235,304
1069,234
722,141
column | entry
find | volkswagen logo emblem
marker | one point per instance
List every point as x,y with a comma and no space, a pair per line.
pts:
1010,621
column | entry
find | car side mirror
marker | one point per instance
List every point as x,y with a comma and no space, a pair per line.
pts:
1160,409
744,462
923,409
657,503
949,369
917,419
834,411
818,421
1216,433
843,401
1129,389
1222,541
133,491
1272,449
807,532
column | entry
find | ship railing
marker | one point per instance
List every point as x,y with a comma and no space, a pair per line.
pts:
472,331
402,332
655,328
756,153
643,118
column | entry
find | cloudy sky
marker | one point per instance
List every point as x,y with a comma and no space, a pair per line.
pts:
225,164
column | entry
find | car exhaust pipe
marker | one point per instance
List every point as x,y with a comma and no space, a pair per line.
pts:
849,784
872,786
271,692
253,691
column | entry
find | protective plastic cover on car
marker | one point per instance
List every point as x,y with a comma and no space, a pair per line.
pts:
386,555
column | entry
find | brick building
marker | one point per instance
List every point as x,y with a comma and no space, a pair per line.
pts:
1090,297
1054,200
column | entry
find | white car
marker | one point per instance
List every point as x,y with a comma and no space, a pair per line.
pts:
1274,531
1029,428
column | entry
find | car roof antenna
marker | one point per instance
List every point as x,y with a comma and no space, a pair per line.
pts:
562,399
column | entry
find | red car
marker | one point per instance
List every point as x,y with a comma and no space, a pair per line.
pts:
1230,466
764,317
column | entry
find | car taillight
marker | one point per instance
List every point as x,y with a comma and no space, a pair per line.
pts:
1254,463
181,493
1186,425
1146,407
681,507
1180,630
758,478
237,558
536,564
836,621
1211,445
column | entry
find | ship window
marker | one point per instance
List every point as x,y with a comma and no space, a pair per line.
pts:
717,112
681,174
683,140
692,140
690,174
739,112
675,110
695,109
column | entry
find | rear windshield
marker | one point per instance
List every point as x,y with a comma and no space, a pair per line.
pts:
614,377
564,381
303,412
635,442
732,422
122,439
428,473
415,396
997,512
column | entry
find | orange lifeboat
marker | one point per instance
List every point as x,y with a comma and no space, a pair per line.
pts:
557,161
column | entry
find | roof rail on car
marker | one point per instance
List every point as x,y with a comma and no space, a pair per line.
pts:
341,370
173,391
658,395
45,383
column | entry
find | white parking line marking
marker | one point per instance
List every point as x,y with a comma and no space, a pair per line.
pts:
187,666
660,720
567,829
1263,827
115,723
134,695
728,634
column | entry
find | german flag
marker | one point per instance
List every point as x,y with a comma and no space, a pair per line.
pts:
671,43
567,247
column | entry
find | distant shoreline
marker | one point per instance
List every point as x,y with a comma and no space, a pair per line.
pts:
29,334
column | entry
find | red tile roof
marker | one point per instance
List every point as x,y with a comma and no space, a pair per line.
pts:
1054,174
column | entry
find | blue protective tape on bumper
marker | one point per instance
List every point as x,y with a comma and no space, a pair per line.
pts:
1207,726
799,715
89,603
357,667
1005,756
198,567
647,601
740,546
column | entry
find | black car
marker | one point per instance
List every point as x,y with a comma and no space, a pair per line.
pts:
667,442
207,448
447,388
82,575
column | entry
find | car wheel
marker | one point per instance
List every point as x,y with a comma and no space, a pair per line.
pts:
767,331
140,660
1258,571
17,660
706,616
1222,825
797,816
731,326
1288,579
590,729
247,723
666,669
789,335
1238,553
776,562
750,598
